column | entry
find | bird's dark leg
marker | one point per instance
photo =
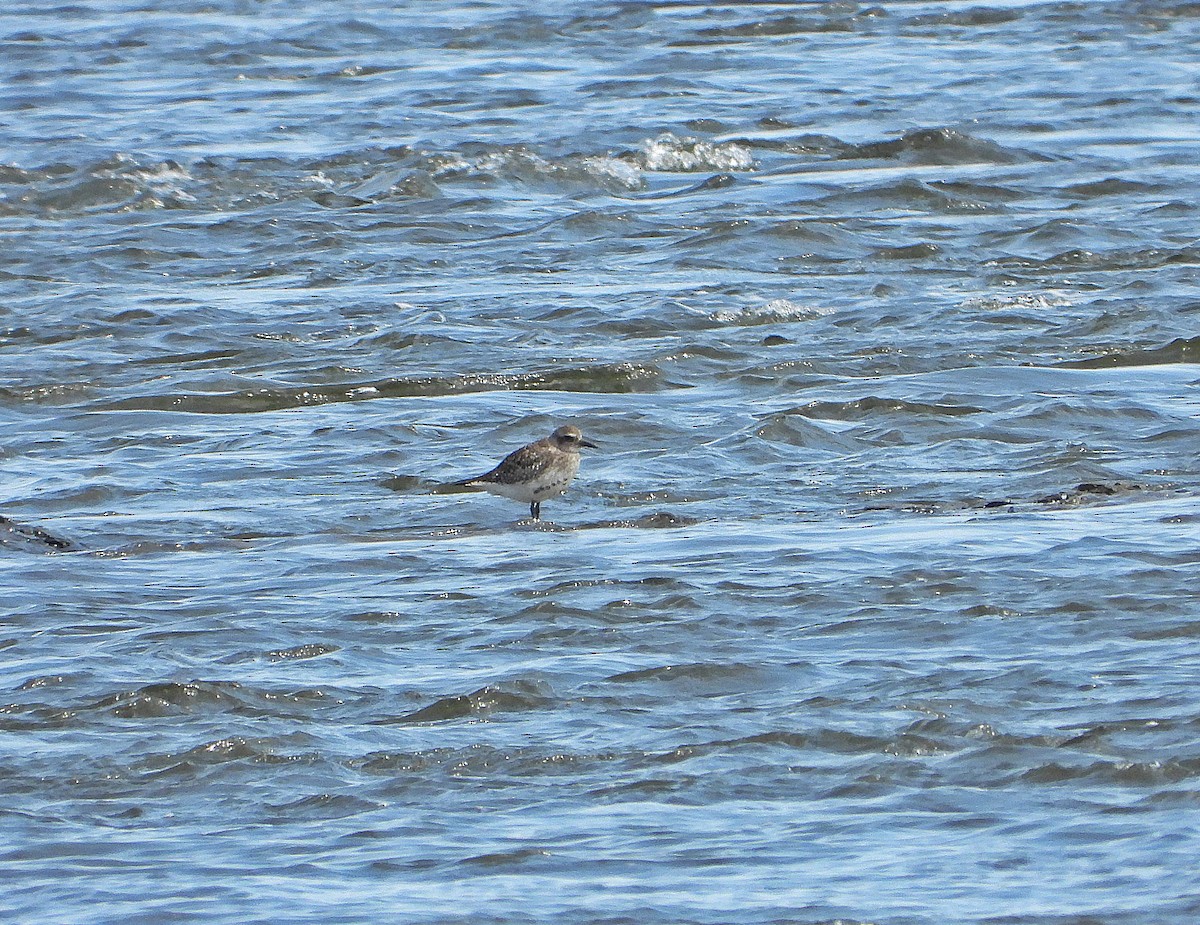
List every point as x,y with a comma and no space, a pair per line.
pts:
535,510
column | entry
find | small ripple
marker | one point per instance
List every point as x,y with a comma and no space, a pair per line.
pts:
320,806
702,672
512,696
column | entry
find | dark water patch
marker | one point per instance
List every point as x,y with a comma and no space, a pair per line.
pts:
715,182
873,406
703,675
659,520
975,192
319,807
56,393
810,231
482,761
834,18
921,251
202,359
828,740
1085,493
977,16
149,548
718,233
1180,350
1113,186
552,611
96,193
513,696
14,535
615,378
1115,773
908,194
411,483
1102,734
119,183
691,351
306,651
806,144
53,680
500,859
198,697
941,146
1187,630
585,584
218,753
377,616
1114,260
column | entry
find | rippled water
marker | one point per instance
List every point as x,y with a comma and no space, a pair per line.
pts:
878,601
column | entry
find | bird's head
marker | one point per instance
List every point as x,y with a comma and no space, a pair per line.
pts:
570,439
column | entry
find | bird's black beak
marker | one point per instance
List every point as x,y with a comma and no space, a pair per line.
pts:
588,443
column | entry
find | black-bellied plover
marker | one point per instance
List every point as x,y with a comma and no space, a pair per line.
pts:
533,473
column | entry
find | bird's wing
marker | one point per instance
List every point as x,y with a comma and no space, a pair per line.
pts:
519,465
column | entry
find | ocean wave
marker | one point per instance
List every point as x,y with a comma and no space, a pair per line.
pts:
614,378
942,146
118,183
777,311
670,154
501,698
518,163
1180,350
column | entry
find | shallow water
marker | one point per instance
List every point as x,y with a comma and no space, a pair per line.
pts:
877,603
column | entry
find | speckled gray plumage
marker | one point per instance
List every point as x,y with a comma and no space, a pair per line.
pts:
542,469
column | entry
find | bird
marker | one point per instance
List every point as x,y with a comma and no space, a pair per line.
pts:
542,469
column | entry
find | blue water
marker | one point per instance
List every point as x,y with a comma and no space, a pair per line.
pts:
876,603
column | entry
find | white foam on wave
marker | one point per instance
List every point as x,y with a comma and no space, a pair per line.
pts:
615,170
774,312
156,179
320,179
1031,300
667,153
672,154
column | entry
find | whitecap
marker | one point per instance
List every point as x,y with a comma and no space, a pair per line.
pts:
773,312
672,154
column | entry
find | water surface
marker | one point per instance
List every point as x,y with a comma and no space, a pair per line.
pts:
877,603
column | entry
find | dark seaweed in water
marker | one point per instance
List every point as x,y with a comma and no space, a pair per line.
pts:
27,537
